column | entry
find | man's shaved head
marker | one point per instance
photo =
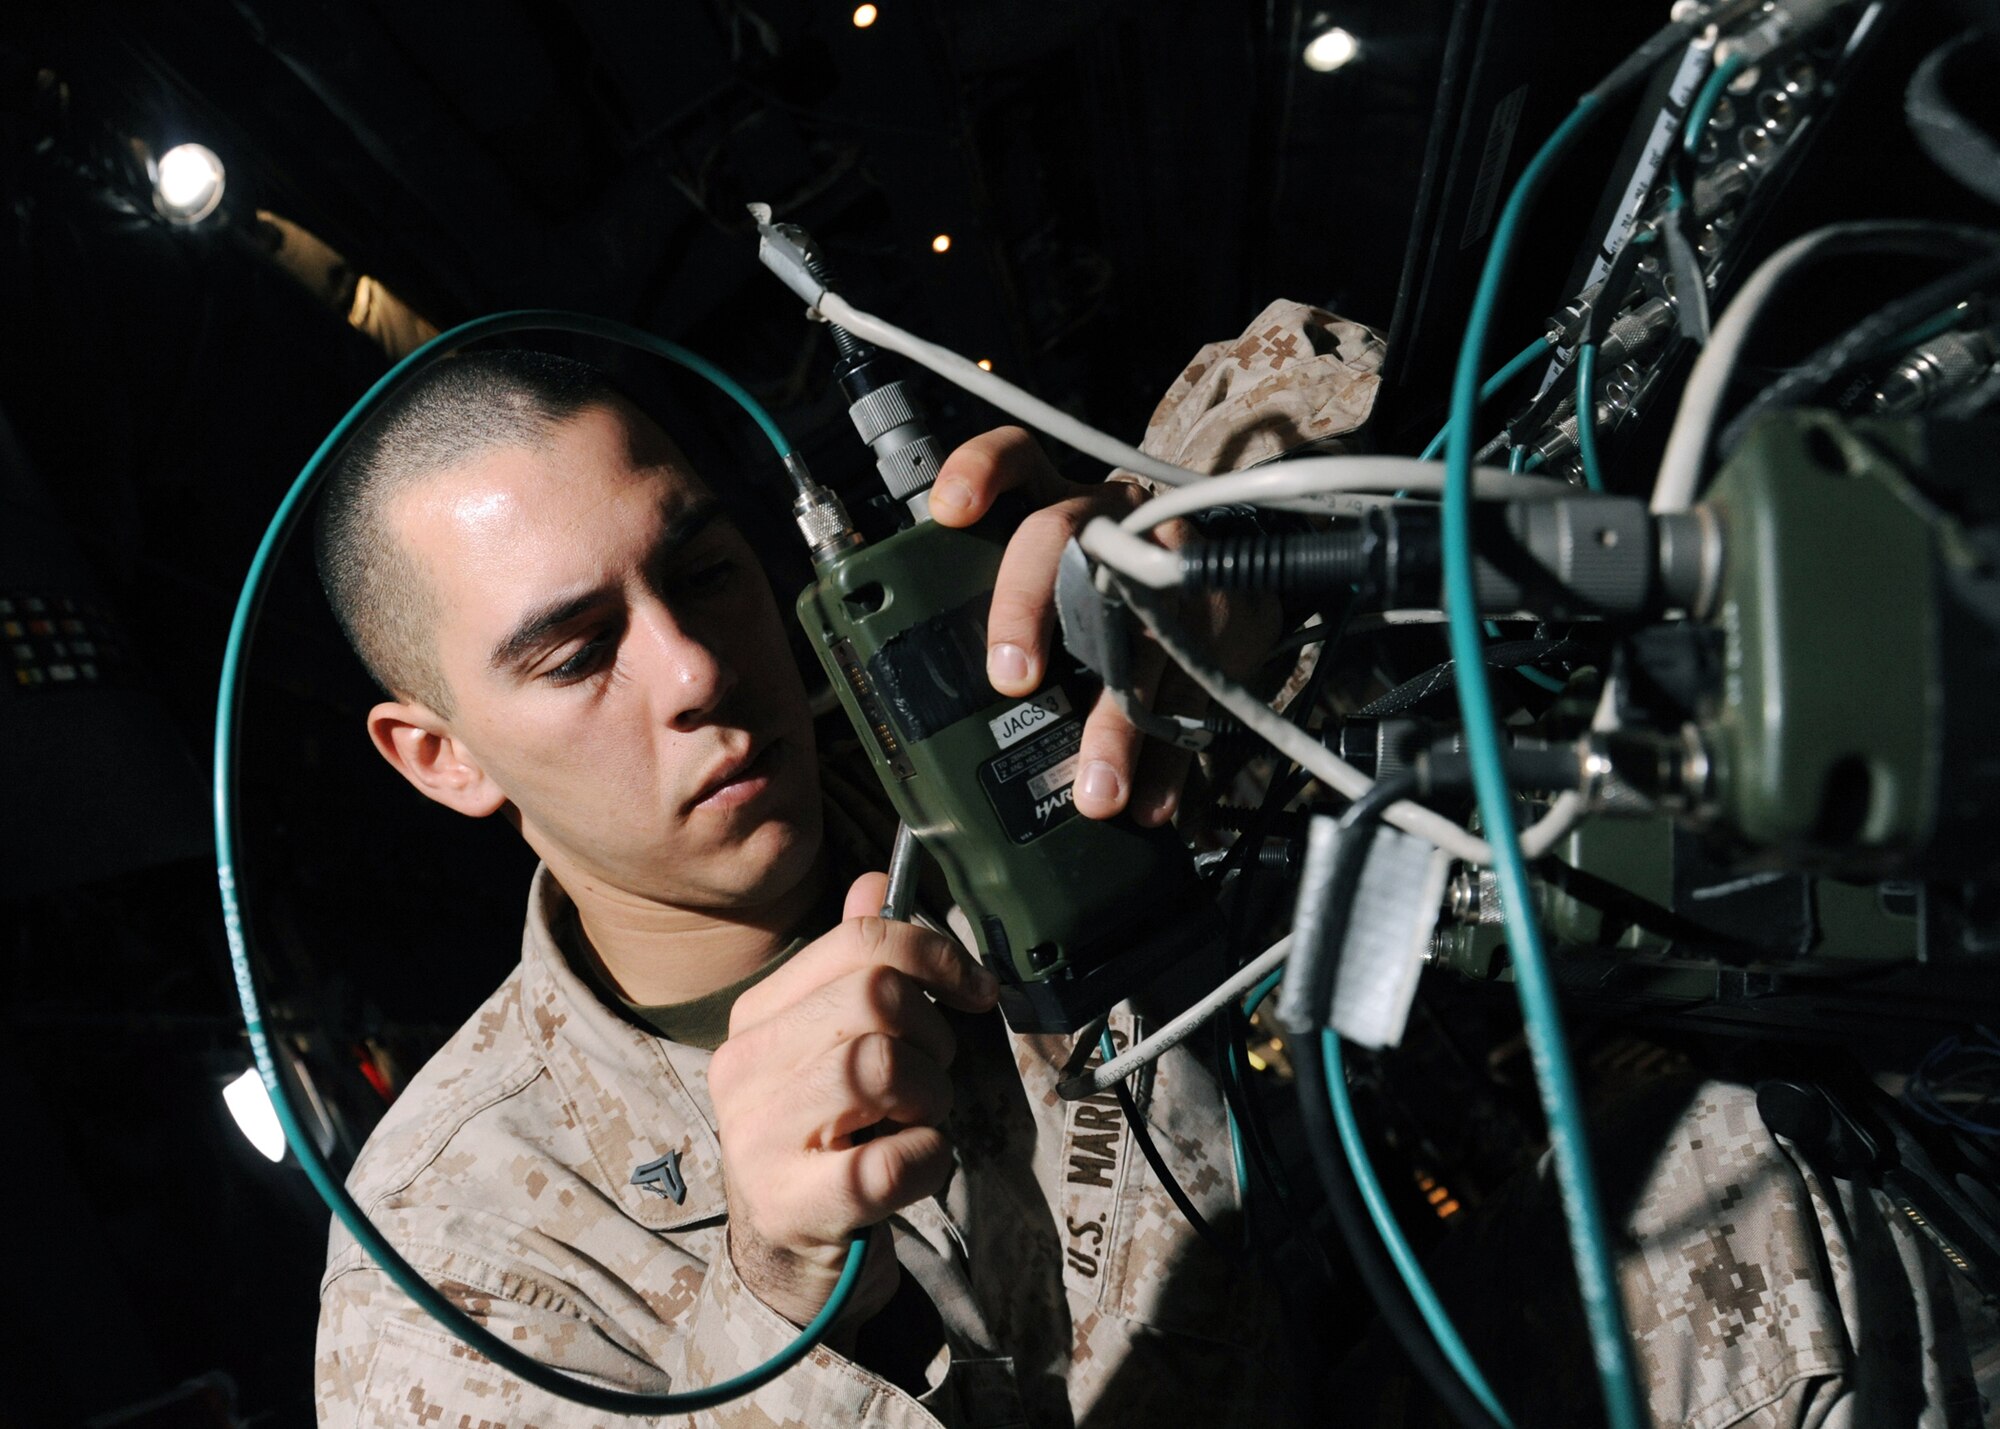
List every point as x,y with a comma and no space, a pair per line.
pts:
448,415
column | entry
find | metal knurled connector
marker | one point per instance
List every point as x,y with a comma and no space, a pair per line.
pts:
823,522
1474,897
881,410
912,469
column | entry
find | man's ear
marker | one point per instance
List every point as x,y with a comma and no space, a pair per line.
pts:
422,748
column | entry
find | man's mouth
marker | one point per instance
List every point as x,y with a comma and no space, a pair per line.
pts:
739,780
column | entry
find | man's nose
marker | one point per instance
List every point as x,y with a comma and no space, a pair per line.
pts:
689,679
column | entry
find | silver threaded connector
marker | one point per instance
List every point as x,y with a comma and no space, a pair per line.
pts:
821,517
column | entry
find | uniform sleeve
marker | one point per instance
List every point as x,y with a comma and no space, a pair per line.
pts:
732,1332
382,1361
1758,1293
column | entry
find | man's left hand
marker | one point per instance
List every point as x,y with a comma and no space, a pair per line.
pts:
1114,771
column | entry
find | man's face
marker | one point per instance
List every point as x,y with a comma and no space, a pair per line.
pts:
618,667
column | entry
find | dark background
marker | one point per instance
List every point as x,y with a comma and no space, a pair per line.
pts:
1123,180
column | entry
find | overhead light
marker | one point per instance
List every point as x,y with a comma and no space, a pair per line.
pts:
941,243
985,364
1331,49
250,1103
864,16
187,183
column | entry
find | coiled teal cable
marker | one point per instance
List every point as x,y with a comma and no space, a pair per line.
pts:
228,713
1398,1245
1590,1247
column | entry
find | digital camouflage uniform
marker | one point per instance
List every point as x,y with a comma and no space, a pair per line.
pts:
1760,1292
1065,1278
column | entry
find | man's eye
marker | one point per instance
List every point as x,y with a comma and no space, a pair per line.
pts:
581,663
705,580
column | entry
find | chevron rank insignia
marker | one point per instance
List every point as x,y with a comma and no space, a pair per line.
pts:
663,1176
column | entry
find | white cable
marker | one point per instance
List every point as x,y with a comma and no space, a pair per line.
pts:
1291,481
1151,1049
1329,768
1102,537
1701,399
1146,562
1158,568
1383,619
1293,485
1687,446
1324,477
1001,393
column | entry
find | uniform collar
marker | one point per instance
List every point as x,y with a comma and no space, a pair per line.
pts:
637,1099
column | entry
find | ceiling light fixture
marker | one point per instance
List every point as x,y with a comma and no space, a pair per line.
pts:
864,16
187,183
941,243
1331,50
985,364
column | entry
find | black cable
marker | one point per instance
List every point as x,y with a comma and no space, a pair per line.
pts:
1953,142
1619,903
1315,960
1358,827
1151,1152
1286,781
1636,67
1860,343
1399,1311
1506,655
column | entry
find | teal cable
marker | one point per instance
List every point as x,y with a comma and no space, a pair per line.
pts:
1590,1246
1250,1003
228,717
1526,672
1705,100
1254,998
1929,328
1393,1239
1586,415
1232,1053
1516,365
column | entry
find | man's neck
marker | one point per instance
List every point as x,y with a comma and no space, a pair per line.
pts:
657,955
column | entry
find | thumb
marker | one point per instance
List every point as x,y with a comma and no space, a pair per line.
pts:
865,898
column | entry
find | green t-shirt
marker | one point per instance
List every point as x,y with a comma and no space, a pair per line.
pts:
703,1021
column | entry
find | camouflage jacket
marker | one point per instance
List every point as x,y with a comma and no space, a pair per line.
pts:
510,1174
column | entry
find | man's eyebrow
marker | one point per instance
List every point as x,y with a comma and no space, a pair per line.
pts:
682,525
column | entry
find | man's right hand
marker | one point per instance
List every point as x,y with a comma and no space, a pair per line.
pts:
829,1093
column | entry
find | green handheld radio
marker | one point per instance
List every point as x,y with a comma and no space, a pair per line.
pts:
1071,913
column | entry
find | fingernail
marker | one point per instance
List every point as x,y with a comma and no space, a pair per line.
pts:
1099,782
1006,665
952,495
1161,809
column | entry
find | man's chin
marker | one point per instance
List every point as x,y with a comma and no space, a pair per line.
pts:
760,867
